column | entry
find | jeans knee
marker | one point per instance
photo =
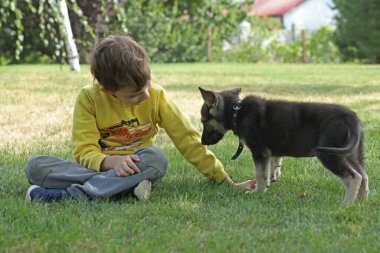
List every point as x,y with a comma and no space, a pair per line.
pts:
30,169
31,165
36,169
154,157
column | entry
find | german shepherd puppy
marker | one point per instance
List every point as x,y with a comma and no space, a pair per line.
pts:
272,129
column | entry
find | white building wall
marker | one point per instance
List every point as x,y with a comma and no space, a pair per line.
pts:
312,14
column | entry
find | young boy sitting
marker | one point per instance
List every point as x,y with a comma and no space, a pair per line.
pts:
114,128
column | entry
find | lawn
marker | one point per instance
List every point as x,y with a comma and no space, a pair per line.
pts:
302,212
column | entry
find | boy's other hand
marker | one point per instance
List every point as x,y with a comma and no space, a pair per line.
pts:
123,165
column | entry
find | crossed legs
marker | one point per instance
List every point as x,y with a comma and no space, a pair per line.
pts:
54,172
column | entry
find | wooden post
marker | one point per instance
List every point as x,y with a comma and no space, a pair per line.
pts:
304,47
209,44
293,32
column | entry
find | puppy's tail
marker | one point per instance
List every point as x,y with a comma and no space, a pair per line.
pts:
353,142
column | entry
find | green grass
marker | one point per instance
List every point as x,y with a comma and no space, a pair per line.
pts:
187,213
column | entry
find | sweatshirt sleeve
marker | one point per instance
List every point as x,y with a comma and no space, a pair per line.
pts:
85,135
187,139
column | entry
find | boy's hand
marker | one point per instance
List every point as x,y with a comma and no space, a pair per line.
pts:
247,185
123,165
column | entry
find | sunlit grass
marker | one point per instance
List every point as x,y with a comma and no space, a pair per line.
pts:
186,212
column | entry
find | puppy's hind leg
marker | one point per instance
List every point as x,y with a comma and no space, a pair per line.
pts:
352,184
275,168
359,167
360,158
364,189
343,169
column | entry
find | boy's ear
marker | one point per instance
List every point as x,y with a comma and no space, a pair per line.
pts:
208,96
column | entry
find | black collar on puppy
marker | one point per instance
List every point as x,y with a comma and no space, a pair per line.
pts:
236,106
238,151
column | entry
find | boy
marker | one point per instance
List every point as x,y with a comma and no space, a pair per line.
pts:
114,127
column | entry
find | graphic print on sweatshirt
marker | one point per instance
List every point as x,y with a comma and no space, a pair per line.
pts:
124,135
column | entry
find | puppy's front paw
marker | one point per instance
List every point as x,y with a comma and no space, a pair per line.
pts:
260,190
262,185
275,174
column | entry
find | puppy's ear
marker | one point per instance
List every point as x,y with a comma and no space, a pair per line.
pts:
236,91
208,96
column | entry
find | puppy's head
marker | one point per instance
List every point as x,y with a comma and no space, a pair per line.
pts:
213,113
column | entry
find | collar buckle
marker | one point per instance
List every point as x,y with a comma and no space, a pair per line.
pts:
237,105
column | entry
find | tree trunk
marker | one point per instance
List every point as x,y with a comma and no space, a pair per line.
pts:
72,52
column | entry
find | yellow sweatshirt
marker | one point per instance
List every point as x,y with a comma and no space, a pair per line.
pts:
103,125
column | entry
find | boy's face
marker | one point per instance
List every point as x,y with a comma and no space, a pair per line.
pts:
129,96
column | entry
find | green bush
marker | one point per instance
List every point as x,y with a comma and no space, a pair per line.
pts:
36,57
171,31
4,60
251,49
178,32
285,52
320,48
244,52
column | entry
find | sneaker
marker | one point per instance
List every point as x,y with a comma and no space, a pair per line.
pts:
142,190
36,192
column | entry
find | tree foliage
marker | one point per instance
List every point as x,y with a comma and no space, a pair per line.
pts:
31,30
176,31
358,29
170,30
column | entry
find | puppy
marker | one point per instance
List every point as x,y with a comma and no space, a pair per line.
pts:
272,129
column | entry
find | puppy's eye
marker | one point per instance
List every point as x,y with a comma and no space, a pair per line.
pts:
210,128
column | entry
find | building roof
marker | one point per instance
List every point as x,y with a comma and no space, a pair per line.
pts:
274,7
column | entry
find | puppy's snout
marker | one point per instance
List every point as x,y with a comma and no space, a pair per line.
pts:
203,140
211,138
206,139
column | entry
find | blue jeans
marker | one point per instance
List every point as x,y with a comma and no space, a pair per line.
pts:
54,172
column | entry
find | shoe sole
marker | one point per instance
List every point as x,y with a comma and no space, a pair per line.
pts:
27,196
142,190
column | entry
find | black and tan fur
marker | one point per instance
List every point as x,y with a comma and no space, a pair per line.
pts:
272,129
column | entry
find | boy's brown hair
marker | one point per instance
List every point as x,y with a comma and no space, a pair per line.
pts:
118,61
